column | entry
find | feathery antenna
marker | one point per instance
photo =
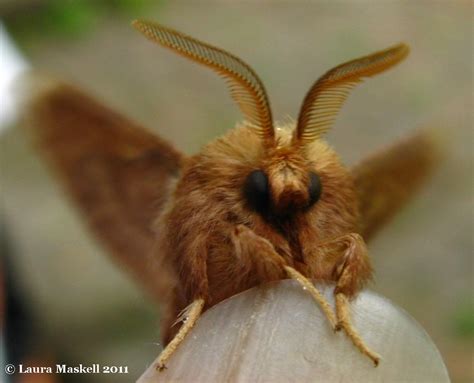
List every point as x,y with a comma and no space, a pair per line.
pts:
326,97
245,86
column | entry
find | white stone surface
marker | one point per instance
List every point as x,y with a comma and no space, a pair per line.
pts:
276,333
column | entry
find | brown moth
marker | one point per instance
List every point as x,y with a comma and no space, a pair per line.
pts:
261,203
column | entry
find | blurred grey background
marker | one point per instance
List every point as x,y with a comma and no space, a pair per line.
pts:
85,309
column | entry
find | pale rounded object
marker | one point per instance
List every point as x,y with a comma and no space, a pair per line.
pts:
277,333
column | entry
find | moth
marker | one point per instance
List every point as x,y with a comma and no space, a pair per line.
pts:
266,201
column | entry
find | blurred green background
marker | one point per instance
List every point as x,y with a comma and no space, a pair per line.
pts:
85,309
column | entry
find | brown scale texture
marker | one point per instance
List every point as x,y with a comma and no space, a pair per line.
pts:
117,173
386,180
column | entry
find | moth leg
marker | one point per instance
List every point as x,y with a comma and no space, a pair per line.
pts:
189,317
257,255
269,265
351,272
314,292
194,289
344,322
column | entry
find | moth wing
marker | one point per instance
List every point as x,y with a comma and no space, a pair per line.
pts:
117,173
386,180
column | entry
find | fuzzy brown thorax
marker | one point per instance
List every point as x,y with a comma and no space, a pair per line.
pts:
210,194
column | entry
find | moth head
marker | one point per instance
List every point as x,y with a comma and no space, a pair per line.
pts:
285,180
281,170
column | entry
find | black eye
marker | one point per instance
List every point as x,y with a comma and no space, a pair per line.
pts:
314,188
256,190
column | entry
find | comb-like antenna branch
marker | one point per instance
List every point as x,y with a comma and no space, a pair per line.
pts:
245,86
327,95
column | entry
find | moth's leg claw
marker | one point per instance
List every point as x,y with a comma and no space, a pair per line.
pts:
351,272
344,323
193,312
